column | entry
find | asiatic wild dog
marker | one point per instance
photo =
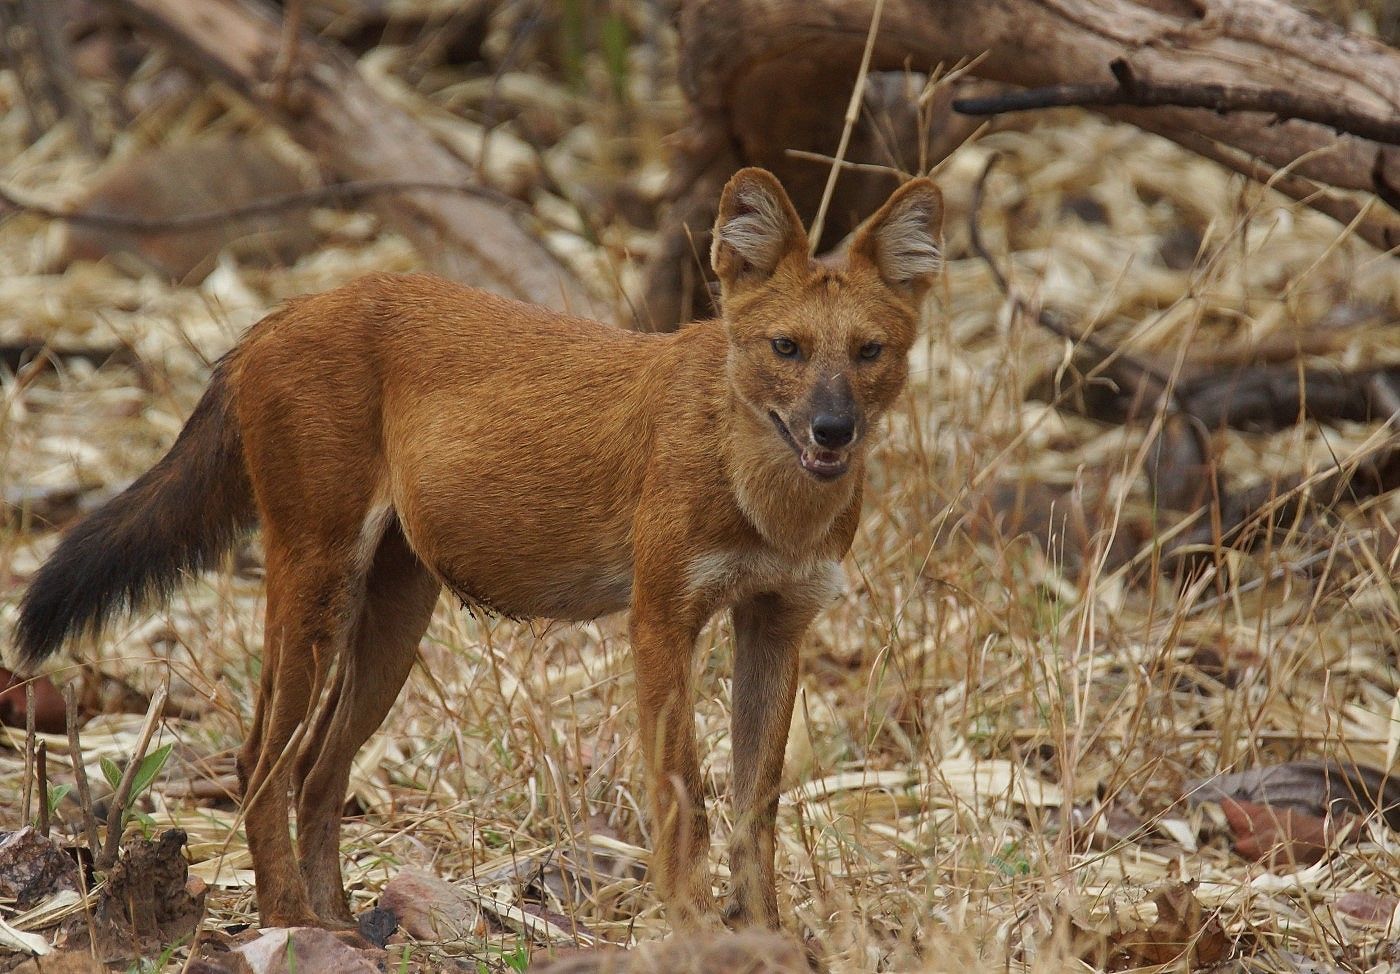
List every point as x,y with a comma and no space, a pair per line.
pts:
400,435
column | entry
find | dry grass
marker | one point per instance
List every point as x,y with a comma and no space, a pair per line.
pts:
977,721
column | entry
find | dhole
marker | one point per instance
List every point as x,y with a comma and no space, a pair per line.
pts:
401,435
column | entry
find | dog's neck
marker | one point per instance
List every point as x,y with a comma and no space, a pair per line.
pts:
792,510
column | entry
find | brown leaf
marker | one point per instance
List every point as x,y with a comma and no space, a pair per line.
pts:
1183,932
1322,789
1280,837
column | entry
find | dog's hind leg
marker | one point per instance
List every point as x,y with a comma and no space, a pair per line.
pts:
311,592
399,597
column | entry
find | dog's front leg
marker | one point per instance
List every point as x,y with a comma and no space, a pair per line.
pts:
768,632
663,641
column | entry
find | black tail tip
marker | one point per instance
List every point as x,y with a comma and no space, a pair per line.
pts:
41,629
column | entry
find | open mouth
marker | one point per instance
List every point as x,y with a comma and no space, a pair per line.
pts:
819,462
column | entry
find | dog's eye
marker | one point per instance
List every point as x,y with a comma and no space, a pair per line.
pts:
871,351
785,347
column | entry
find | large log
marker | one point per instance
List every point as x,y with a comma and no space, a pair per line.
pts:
355,133
767,76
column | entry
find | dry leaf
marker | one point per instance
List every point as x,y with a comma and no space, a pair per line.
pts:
1184,932
1280,837
1323,789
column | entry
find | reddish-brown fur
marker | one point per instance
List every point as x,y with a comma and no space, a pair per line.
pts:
402,434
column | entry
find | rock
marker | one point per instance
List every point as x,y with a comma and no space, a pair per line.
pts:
33,867
429,908
377,925
1368,908
222,964
61,962
307,950
750,951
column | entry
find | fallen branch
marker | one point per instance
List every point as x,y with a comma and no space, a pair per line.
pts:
358,134
315,196
1133,92
1248,517
764,77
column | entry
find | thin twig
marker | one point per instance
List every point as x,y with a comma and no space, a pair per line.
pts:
75,752
117,813
852,114
1213,735
339,192
1133,92
846,165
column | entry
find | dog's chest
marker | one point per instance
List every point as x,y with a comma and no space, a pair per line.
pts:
728,576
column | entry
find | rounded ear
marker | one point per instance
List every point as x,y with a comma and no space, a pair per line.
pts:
904,240
756,229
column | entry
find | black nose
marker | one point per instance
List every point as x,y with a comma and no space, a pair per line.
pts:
833,431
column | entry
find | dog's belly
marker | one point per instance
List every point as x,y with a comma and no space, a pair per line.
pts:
526,587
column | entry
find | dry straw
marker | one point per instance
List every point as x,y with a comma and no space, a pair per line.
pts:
992,739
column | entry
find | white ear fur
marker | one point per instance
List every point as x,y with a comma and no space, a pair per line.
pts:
907,248
756,227
758,230
905,240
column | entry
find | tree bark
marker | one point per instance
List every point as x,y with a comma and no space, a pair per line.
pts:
356,134
766,76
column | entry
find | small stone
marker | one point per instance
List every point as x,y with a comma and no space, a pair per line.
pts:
61,962
1368,908
306,950
377,925
750,951
429,908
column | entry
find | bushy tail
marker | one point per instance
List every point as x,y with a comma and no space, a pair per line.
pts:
179,516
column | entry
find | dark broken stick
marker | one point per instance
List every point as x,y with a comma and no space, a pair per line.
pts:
41,779
1132,92
1248,517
